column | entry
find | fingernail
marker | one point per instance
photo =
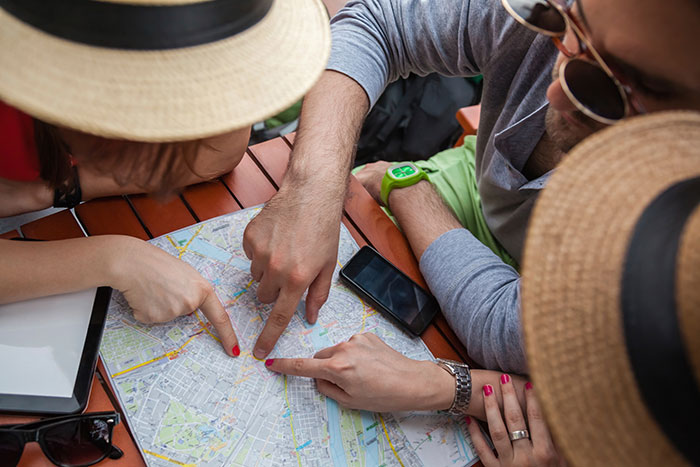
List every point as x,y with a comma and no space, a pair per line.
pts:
528,385
269,361
236,351
468,420
259,354
488,389
505,379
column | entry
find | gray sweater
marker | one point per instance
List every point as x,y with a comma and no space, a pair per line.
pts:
377,41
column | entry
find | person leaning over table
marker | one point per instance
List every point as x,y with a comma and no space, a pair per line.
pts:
114,97
536,104
611,318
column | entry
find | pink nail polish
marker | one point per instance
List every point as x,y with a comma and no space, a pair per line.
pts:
505,379
488,389
468,420
269,361
528,385
236,351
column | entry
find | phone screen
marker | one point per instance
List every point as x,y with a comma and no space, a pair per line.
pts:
389,288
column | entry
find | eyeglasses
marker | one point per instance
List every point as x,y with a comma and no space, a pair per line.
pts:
584,76
70,441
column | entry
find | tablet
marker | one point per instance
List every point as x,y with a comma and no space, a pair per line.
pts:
48,351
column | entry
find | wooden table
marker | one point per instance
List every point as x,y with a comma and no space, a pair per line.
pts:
254,181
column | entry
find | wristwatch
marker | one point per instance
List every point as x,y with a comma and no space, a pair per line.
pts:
463,380
400,176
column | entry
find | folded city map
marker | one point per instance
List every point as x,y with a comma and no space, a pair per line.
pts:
188,403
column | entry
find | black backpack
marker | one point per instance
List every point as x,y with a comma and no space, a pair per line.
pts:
415,118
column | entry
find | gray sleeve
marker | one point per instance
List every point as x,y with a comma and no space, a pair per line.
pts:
480,297
377,41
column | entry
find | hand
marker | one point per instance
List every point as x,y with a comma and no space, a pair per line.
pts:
365,373
160,287
371,178
293,245
537,451
20,197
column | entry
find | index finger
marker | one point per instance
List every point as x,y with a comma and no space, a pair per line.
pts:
217,316
276,323
309,367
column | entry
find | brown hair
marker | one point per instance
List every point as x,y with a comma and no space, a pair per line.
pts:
152,167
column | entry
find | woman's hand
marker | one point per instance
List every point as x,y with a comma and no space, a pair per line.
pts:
160,287
365,373
536,450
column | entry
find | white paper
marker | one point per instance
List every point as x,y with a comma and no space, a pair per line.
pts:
41,342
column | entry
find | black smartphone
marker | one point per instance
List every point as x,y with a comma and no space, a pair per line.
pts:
389,290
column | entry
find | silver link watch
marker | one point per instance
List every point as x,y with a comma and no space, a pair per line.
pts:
463,380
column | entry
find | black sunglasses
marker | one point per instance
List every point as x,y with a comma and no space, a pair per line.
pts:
584,76
70,441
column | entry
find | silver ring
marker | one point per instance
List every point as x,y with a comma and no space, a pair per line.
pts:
519,434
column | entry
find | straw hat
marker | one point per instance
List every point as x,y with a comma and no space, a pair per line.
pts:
611,295
159,70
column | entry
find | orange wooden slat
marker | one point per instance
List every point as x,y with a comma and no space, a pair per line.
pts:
110,216
161,216
10,234
249,184
58,226
211,199
272,156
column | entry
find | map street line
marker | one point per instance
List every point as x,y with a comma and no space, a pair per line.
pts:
159,456
291,421
183,249
168,354
386,433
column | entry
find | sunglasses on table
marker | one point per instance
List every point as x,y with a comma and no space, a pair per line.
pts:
70,441
584,76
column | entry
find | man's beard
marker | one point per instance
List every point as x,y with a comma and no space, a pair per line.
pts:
564,134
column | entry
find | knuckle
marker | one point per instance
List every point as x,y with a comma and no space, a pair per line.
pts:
297,277
298,364
338,366
513,417
543,456
534,415
499,434
278,320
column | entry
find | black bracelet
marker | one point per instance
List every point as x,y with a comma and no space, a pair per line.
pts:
69,195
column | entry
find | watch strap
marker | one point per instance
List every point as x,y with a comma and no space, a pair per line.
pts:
463,383
389,182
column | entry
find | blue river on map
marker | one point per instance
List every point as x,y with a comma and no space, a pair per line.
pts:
369,440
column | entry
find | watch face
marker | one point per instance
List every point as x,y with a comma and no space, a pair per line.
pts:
403,171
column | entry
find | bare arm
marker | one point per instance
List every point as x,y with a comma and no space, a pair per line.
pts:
365,373
158,286
293,242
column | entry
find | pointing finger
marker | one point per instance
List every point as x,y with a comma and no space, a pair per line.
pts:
217,316
276,323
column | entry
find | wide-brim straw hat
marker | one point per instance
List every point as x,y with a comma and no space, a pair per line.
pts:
159,70
611,295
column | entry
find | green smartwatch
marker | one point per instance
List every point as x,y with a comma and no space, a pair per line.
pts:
400,176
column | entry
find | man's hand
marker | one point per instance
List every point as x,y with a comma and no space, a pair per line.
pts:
293,242
365,373
293,245
371,178
160,287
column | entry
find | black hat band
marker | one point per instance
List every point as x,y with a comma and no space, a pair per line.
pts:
139,27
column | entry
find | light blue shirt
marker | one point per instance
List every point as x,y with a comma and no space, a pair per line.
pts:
378,41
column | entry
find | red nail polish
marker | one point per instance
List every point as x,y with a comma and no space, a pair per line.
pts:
488,389
468,420
236,351
505,379
528,385
269,361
